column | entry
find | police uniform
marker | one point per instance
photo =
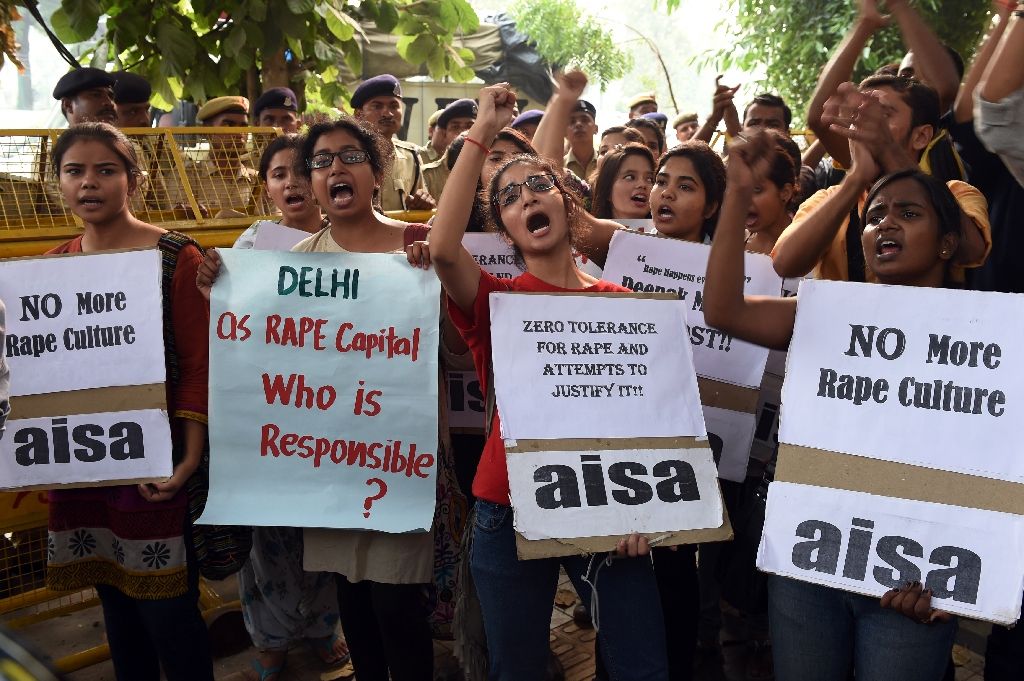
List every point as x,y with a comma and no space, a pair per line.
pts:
275,98
573,163
435,174
407,169
428,154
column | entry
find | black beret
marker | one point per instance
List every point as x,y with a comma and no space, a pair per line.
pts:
657,117
84,78
130,88
378,86
460,108
529,116
587,107
275,98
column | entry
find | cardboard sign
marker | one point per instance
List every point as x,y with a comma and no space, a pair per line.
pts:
84,321
466,402
653,264
870,544
271,236
493,253
929,377
85,347
580,366
729,434
559,495
896,460
642,225
323,375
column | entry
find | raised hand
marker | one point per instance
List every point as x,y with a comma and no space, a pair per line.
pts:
750,159
723,97
871,15
495,108
571,83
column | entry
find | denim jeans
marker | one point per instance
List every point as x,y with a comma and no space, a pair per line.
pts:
819,633
516,597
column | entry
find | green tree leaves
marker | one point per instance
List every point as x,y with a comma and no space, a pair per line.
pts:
564,37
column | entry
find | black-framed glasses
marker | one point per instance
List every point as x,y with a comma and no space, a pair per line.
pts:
326,158
511,192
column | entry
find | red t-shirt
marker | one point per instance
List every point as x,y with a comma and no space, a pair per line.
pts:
491,480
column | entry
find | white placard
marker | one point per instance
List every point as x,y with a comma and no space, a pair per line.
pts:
730,434
887,372
578,366
645,263
564,495
493,253
466,401
643,225
271,236
972,560
86,449
78,322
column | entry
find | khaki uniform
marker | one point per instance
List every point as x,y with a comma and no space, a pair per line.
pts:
575,166
406,176
428,154
219,190
435,175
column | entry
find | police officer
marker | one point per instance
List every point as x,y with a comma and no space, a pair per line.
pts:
86,94
456,118
378,101
131,100
527,122
659,118
277,108
686,126
435,146
582,159
641,104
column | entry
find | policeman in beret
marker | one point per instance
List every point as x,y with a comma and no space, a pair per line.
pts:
131,100
378,101
222,183
435,146
686,126
527,122
582,159
86,94
277,108
659,118
455,119
641,104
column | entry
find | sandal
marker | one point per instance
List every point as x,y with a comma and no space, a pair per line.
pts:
267,673
324,649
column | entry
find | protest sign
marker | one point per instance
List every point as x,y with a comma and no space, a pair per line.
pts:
869,544
572,494
897,430
581,366
644,225
465,402
646,263
85,347
729,434
323,375
493,253
938,366
270,236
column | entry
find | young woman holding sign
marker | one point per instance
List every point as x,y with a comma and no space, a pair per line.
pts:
528,202
911,227
133,542
381,577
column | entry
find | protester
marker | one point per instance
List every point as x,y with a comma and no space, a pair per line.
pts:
767,111
277,107
622,188
618,136
85,95
131,100
530,204
282,604
378,102
150,605
820,632
1000,103
723,108
770,207
659,118
654,135
527,122
687,193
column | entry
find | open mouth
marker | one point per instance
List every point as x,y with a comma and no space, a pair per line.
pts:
297,200
538,224
751,220
639,199
341,194
664,213
887,248
90,201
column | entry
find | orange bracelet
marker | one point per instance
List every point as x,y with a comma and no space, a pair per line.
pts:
469,139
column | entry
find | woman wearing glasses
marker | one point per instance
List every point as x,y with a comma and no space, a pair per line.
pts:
382,578
531,206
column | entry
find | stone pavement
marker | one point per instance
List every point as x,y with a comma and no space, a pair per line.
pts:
573,645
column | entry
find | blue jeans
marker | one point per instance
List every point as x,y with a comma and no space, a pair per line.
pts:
819,633
517,596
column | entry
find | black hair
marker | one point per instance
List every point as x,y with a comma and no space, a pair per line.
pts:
922,99
631,133
380,150
280,143
104,133
768,99
601,202
573,204
786,163
478,218
947,210
648,124
711,169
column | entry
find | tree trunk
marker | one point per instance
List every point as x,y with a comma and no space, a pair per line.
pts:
275,70
252,83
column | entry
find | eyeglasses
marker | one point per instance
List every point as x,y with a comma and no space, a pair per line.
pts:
326,158
511,192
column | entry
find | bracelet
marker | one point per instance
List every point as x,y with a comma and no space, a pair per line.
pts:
469,139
